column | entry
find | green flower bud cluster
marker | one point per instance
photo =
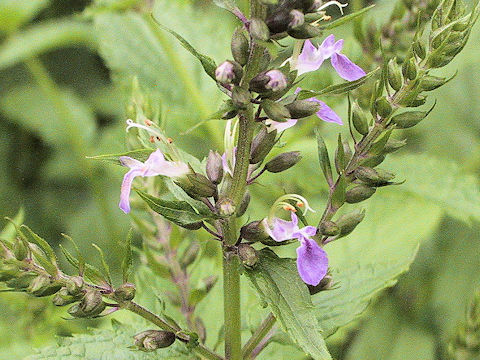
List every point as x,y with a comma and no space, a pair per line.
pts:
151,340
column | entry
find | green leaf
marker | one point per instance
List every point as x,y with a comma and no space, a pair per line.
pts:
207,62
127,261
106,268
338,89
140,155
8,232
345,19
44,37
278,283
441,182
178,212
44,245
323,157
15,13
107,344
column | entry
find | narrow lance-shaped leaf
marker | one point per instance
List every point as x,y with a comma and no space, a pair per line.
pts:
338,89
278,283
207,62
140,155
324,158
106,268
127,259
347,18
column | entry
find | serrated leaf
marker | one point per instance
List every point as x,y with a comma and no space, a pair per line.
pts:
278,283
112,344
347,18
441,182
324,158
207,62
38,39
338,89
178,212
127,261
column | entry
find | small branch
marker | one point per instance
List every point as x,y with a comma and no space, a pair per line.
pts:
251,180
213,233
164,325
239,14
258,336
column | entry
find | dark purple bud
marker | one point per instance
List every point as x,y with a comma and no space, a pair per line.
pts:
297,18
277,80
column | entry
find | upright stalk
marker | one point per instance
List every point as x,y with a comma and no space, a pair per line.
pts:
236,191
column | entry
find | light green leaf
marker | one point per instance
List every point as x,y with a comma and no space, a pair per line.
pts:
441,182
44,37
226,4
140,155
345,19
8,232
108,344
337,89
278,283
15,13
178,212
30,108
207,62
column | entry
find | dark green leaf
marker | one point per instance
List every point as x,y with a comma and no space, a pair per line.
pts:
324,158
278,283
127,259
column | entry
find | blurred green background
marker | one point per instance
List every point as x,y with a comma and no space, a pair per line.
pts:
64,80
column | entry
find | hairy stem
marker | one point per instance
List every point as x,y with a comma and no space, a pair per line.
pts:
259,334
201,350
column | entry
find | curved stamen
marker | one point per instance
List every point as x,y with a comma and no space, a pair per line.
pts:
330,3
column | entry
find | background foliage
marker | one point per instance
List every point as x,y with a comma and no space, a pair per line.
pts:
51,120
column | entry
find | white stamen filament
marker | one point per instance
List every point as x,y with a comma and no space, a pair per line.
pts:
329,3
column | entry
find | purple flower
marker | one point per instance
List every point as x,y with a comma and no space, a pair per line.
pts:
311,58
312,260
155,165
277,80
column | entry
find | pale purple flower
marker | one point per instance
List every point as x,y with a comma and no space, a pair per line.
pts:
225,72
153,166
279,125
311,58
312,260
228,162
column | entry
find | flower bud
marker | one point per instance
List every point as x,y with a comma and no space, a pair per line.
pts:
297,18
240,47
214,167
225,207
43,286
272,80
359,193
91,305
359,119
430,83
409,69
325,284
248,255
262,143
74,285
151,340
278,21
305,31
201,185
275,110
393,145
125,292
383,107
302,108
229,72
63,298
348,222
259,30
240,97
419,49
329,228
408,119
20,250
190,254
254,231
373,177
395,78
283,161
243,204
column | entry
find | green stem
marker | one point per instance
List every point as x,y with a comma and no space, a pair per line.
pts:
259,335
164,325
231,296
191,88
76,140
